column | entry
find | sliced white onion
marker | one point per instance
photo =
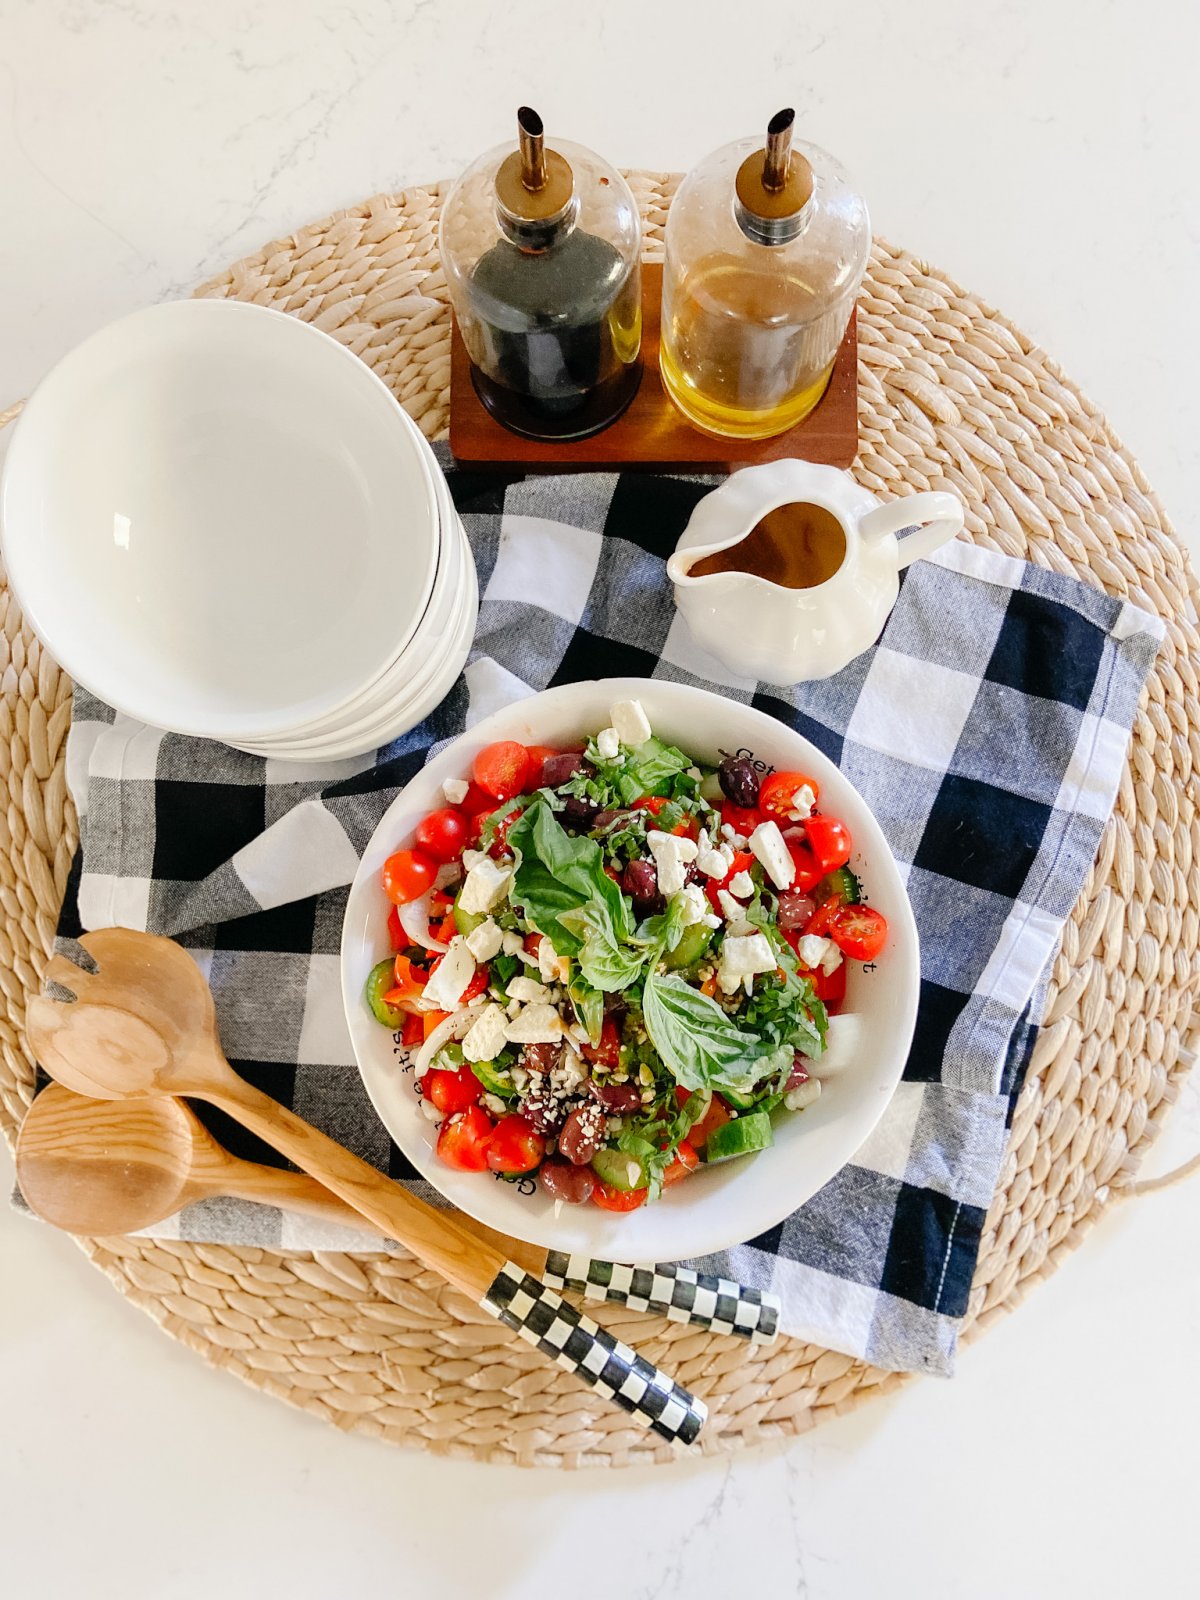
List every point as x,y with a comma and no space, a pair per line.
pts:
414,919
454,1027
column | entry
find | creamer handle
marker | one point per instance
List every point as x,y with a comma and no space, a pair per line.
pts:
942,514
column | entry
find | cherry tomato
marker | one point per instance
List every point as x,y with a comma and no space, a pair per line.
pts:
653,803
407,875
499,845
829,840
809,870
610,1199
463,1141
742,819
539,754
608,1052
820,921
830,987
777,796
686,1161
515,1146
443,835
715,1117
503,769
476,800
859,931
413,1032
451,1091
400,940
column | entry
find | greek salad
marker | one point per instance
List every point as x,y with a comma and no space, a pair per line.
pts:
615,964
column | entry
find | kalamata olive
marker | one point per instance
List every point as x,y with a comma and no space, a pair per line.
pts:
557,769
542,1057
616,1098
564,1182
605,818
577,812
795,909
640,883
582,1134
739,781
799,1073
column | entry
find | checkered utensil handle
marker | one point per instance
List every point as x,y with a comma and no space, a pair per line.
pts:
677,1293
577,1344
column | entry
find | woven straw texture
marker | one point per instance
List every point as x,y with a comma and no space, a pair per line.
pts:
951,397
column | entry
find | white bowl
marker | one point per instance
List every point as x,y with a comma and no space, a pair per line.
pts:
219,519
739,1199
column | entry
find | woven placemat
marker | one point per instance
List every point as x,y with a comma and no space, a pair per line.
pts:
951,397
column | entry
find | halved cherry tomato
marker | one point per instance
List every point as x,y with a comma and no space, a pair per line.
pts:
539,754
686,1161
414,1030
742,819
463,1141
400,940
407,875
777,796
822,917
743,860
717,1114
432,1020
859,931
503,769
809,870
515,1146
443,835
608,1052
532,942
830,987
499,845
476,800
451,1091
829,840
653,803
610,1199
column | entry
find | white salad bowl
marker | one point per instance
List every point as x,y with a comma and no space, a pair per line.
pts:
736,1200
219,519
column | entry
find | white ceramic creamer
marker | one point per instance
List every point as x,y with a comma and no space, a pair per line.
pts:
782,635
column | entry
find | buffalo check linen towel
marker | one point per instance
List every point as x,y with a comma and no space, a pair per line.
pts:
987,729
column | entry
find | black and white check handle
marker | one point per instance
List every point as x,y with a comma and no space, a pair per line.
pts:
577,1344
677,1293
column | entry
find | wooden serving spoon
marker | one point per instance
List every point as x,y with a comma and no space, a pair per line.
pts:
117,1166
143,1023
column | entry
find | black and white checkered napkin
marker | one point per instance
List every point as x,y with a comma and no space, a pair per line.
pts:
987,729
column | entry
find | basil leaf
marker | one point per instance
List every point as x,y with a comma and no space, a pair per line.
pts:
589,1007
664,930
603,960
649,769
702,1046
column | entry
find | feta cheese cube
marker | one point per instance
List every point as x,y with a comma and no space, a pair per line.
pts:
514,945
802,803
485,941
630,723
802,1095
693,904
767,844
729,905
712,863
671,855
455,971
742,956
553,967
741,885
455,791
472,858
486,885
535,1024
527,989
484,1039
710,919
608,743
812,951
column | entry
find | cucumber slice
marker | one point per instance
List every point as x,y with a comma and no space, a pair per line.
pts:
741,1137
693,942
619,1170
380,979
494,1079
741,1102
467,921
841,884
450,1057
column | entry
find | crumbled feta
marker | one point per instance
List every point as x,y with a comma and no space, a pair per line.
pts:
455,791
536,1024
812,951
630,723
520,1078
671,855
485,941
608,743
742,956
485,1037
712,863
802,1095
693,904
570,1072
513,1008
472,858
527,989
513,943
741,885
553,967
802,803
454,972
731,908
767,844
430,1112
710,919
494,1104
486,885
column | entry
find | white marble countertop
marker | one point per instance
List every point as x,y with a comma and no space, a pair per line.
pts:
1039,150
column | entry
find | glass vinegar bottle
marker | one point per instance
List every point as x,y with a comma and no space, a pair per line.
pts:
541,251
766,246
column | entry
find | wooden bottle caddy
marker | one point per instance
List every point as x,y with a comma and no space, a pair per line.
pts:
652,433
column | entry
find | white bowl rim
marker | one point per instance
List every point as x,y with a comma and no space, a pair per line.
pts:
587,1228
245,725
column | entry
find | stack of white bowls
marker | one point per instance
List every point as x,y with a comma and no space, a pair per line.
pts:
220,521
